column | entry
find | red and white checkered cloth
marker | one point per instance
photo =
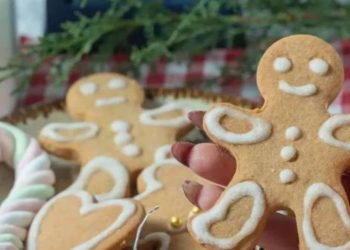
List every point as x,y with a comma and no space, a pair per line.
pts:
199,72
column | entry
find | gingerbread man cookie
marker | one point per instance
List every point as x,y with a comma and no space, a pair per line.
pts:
290,153
33,185
114,123
160,184
81,220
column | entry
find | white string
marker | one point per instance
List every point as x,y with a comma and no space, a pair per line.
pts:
139,229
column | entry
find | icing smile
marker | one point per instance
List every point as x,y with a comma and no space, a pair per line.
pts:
303,90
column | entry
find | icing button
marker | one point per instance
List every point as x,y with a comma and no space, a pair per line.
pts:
288,153
131,150
293,133
120,126
287,176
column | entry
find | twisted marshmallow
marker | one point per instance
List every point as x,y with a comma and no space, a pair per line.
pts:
32,185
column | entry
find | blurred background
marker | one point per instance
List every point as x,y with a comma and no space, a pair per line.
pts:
45,45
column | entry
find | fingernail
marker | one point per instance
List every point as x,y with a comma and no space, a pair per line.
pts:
192,190
181,151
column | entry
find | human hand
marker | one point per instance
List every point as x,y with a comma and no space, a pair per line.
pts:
217,165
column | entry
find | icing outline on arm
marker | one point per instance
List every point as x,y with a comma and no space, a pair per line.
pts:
50,131
260,131
147,116
325,133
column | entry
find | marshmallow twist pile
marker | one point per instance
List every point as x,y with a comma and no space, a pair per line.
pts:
32,186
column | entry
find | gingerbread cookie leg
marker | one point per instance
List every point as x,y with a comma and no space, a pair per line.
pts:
235,221
325,216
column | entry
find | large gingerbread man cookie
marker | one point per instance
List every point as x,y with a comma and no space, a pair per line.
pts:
114,123
290,153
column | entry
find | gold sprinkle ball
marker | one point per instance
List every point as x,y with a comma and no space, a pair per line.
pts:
175,222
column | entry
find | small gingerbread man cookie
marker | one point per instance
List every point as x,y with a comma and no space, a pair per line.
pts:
81,219
114,123
290,153
160,184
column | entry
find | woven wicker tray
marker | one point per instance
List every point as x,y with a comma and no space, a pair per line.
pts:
32,119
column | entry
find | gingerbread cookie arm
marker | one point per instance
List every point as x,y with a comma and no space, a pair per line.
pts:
327,131
228,212
250,129
53,139
326,217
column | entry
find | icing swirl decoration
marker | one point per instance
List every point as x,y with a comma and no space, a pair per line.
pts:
120,177
261,129
147,116
31,189
50,131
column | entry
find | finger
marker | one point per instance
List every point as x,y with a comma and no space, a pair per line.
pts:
280,233
181,151
196,117
346,184
201,196
207,160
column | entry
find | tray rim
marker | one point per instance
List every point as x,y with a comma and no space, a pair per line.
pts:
24,114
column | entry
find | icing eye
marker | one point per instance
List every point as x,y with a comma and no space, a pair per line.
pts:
88,88
318,66
116,84
282,64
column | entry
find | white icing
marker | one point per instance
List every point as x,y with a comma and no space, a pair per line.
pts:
161,237
200,225
302,90
87,206
325,133
120,126
122,138
162,153
88,88
108,101
287,176
109,165
121,179
147,116
283,212
318,66
293,133
313,193
288,153
116,84
282,64
260,131
131,150
148,176
50,131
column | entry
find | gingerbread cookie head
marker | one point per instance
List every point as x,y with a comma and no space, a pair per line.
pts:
104,91
301,65
290,153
